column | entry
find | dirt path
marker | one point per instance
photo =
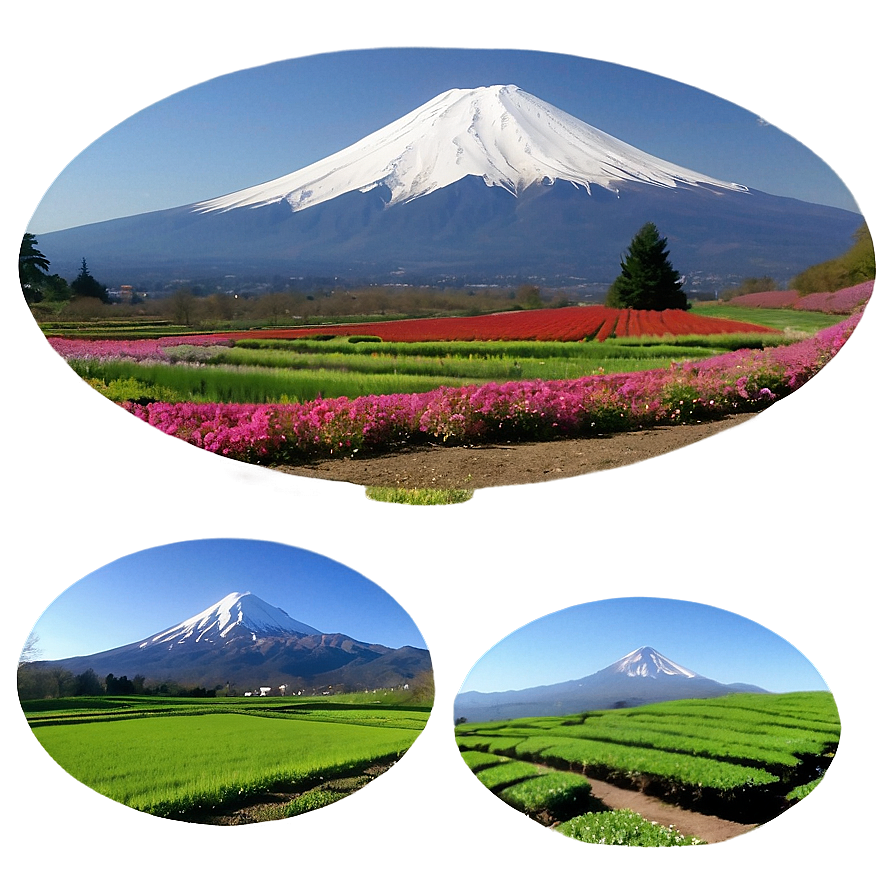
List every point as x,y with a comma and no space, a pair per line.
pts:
272,805
692,824
513,464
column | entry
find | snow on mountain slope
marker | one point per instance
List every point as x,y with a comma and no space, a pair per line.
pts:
239,612
645,662
501,134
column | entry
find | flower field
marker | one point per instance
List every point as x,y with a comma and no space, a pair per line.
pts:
552,325
842,301
736,382
138,349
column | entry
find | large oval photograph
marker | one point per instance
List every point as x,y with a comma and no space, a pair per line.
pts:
647,722
330,268
225,681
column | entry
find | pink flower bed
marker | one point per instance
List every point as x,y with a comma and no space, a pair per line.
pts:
137,349
844,301
747,380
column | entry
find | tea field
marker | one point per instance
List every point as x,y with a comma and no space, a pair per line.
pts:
745,757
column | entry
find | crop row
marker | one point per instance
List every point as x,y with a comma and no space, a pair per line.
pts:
747,380
158,349
527,787
555,325
618,760
764,739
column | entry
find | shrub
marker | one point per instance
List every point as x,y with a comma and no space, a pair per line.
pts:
622,827
559,794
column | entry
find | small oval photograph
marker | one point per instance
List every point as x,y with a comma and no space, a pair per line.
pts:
646,722
225,681
330,268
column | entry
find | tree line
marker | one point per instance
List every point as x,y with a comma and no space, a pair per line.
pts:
38,682
647,280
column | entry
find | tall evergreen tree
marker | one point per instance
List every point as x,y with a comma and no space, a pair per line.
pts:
648,281
86,285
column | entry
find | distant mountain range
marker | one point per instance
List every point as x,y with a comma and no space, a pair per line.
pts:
640,677
483,182
247,643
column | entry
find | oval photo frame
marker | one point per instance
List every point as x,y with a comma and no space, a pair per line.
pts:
447,274
241,712
577,722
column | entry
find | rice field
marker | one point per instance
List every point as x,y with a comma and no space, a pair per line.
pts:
196,757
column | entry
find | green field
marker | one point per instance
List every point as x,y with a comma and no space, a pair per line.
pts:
805,323
564,799
263,371
279,371
176,758
746,757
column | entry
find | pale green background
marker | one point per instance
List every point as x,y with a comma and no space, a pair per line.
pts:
788,520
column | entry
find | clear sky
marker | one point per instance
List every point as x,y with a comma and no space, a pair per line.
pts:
586,638
251,126
143,593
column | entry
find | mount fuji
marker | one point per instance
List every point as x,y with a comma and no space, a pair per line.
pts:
489,181
248,643
640,677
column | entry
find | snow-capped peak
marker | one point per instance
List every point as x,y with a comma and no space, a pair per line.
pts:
502,134
645,662
238,612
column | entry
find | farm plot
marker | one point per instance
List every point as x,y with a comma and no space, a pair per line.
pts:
745,758
290,403
200,756
564,799
552,325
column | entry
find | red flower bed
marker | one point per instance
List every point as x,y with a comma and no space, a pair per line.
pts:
555,325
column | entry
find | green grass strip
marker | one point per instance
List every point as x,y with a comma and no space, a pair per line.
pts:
425,497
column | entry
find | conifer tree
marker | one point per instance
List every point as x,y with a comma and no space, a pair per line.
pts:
648,281
86,285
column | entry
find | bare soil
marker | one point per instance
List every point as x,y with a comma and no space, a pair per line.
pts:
518,463
271,805
709,828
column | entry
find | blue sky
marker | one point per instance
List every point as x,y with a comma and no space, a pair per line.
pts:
583,639
254,125
143,593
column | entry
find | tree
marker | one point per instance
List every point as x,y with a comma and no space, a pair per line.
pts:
88,684
181,307
648,280
856,265
33,267
86,285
